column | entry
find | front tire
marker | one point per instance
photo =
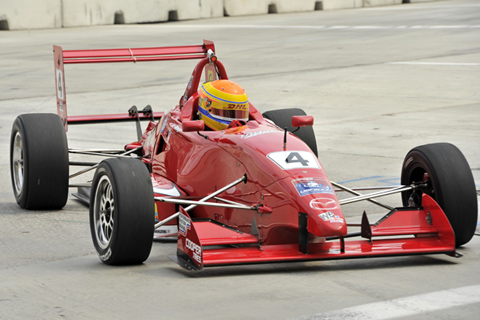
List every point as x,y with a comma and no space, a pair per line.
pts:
122,212
39,161
449,180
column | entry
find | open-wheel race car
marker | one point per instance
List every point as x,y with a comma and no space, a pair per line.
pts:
253,192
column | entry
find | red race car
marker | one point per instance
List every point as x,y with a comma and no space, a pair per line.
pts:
252,191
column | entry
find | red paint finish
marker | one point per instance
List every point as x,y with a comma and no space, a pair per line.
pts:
199,166
437,237
134,54
288,182
83,119
212,234
329,251
285,179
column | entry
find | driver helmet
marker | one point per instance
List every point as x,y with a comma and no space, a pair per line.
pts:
221,102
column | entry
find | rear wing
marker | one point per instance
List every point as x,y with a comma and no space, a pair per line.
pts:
62,57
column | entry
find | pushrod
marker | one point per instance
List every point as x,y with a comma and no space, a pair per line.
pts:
359,194
190,207
96,165
208,204
375,194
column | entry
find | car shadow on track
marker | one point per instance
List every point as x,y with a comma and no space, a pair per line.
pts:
319,266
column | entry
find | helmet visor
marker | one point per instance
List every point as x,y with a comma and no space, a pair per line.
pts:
230,114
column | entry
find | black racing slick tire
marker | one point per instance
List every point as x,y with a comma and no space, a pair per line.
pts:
122,212
283,119
449,181
39,161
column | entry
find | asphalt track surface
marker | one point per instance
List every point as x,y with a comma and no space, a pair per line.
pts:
378,81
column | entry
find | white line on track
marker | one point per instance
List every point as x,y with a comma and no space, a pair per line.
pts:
339,27
406,307
435,63
418,7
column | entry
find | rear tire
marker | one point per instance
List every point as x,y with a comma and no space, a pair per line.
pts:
39,161
283,119
449,181
122,211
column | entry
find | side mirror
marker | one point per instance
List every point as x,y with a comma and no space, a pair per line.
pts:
302,121
189,126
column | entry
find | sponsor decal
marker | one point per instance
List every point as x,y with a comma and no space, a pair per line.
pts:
337,219
195,248
156,212
185,95
176,127
323,204
60,84
288,160
184,224
330,216
257,133
164,124
210,75
168,136
165,232
233,106
306,186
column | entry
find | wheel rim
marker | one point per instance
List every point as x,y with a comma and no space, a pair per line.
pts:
104,212
18,163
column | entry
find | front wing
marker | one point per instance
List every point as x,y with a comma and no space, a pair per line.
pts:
403,231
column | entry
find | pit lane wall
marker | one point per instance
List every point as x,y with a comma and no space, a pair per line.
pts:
45,14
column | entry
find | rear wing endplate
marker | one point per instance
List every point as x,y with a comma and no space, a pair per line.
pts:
62,57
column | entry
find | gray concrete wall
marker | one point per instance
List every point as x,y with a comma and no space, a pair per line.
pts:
44,14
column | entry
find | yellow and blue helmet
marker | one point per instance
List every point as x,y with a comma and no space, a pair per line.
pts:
220,102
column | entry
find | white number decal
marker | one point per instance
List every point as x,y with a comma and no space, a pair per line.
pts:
288,160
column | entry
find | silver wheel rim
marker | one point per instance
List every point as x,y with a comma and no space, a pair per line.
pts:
18,163
104,212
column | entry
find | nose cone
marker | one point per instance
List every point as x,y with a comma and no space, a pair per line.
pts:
325,217
318,200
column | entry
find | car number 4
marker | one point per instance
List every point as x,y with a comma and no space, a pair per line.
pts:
294,159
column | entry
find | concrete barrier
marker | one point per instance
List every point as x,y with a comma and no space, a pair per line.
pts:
78,13
103,12
188,9
286,6
245,7
25,14
28,14
376,3
143,11
341,4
